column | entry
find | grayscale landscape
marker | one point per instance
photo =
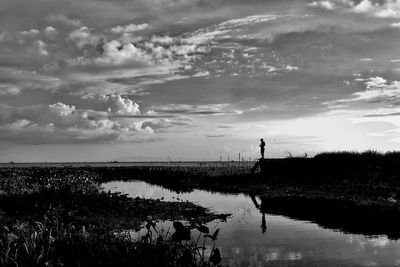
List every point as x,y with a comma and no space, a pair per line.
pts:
199,133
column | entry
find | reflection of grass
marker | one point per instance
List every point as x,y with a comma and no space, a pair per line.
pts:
59,217
339,214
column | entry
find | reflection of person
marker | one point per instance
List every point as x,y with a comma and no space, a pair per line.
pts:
263,224
258,206
262,146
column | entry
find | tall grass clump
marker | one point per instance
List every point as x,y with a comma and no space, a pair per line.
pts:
54,244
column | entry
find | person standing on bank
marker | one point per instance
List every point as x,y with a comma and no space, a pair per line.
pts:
262,147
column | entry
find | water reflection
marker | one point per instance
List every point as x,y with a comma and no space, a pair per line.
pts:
341,215
269,232
258,206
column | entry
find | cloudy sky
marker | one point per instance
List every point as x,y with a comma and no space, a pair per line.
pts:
98,80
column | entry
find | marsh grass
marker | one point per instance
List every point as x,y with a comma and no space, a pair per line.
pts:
54,244
59,217
366,177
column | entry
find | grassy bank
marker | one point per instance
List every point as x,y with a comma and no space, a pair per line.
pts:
60,217
368,178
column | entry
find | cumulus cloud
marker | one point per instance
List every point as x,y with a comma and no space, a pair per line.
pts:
129,28
31,32
9,89
112,118
154,55
165,40
63,20
115,52
104,55
378,90
382,9
201,74
21,49
375,82
14,81
121,106
83,36
49,30
365,6
291,68
41,48
323,4
62,123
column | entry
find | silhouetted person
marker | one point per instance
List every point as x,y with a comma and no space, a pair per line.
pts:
262,147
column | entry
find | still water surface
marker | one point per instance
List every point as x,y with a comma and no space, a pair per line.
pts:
282,241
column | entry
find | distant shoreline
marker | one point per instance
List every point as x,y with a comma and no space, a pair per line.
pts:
127,163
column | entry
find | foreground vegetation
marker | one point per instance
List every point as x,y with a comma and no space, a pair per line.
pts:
60,217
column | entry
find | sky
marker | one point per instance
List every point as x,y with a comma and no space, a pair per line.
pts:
141,80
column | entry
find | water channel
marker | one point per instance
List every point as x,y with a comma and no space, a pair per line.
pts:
252,238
